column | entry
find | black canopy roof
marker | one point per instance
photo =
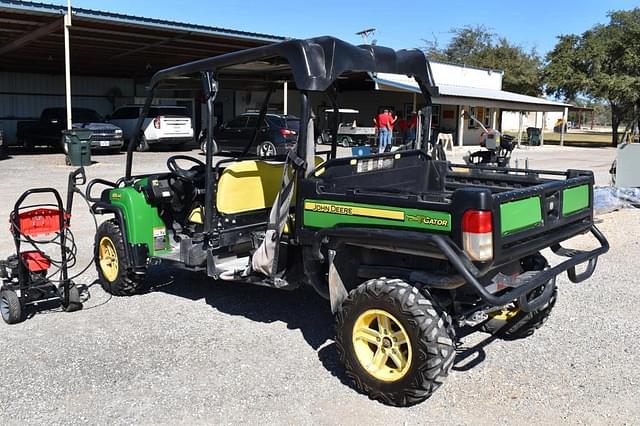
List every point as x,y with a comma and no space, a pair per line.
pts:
313,64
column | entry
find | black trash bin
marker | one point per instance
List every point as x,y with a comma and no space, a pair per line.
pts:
77,147
533,136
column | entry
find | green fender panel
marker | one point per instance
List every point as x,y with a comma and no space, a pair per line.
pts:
142,221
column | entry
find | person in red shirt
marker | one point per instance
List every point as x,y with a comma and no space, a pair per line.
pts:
383,122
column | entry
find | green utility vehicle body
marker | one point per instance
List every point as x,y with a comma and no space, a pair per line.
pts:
400,243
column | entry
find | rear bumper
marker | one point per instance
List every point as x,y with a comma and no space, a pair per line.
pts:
178,140
443,246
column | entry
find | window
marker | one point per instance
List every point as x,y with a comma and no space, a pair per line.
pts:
237,123
435,115
83,115
478,114
487,118
252,122
126,113
164,111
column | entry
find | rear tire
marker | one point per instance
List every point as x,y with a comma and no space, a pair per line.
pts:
113,266
266,149
10,307
397,345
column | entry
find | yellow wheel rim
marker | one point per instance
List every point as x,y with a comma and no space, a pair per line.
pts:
505,314
382,345
108,259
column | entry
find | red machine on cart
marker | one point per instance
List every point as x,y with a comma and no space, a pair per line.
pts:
31,278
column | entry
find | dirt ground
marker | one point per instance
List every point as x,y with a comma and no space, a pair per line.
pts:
196,351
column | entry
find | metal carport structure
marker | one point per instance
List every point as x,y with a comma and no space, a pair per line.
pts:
104,45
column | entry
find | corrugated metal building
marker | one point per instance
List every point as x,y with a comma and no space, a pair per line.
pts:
112,58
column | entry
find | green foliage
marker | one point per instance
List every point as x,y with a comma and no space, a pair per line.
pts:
603,63
477,46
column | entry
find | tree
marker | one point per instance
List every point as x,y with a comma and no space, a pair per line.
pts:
603,63
478,46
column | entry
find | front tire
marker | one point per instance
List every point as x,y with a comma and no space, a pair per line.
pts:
10,307
397,345
113,266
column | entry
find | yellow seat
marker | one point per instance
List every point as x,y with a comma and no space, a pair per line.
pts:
248,185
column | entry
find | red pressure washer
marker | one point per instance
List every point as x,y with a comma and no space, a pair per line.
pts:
31,279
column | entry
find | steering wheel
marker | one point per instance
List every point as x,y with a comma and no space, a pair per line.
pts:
193,174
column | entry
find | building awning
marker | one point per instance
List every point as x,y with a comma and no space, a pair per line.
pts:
472,96
107,44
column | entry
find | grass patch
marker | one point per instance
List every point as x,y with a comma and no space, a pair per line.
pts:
582,139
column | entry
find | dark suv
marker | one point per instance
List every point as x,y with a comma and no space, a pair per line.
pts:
277,136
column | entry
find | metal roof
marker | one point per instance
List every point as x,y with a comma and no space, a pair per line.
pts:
132,19
472,96
108,44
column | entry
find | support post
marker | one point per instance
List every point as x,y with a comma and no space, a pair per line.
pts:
494,118
565,114
544,124
285,89
67,64
461,125
519,128
415,103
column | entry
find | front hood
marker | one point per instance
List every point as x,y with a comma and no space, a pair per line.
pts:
96,126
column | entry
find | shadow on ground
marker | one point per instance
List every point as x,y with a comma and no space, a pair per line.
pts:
300,309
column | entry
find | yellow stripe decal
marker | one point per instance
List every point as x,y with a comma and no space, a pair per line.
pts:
354,211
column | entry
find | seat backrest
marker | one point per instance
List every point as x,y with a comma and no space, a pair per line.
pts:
248,185
251,185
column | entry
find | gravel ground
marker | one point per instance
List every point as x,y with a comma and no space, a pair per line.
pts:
195,351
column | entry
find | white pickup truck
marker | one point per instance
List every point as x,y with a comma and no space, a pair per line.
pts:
164,125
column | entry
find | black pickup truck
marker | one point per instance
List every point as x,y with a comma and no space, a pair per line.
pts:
47,130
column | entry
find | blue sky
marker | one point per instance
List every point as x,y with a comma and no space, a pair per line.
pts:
399,24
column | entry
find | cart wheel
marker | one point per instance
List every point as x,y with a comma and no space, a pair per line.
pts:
75,303
10,307
67,160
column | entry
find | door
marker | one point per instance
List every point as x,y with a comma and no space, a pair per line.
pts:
229,136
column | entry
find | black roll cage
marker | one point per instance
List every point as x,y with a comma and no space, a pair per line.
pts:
313,65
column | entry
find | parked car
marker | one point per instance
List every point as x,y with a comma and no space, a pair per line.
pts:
164,125
47,130
276,136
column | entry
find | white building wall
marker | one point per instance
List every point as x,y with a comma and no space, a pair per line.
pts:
510,120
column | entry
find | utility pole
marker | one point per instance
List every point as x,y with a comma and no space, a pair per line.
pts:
67,64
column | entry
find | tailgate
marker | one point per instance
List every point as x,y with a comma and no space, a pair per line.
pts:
176,126
533,218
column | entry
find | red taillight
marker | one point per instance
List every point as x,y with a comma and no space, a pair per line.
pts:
477,234
287,132
156,122
477,221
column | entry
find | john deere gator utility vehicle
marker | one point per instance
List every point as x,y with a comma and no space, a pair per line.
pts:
407,249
